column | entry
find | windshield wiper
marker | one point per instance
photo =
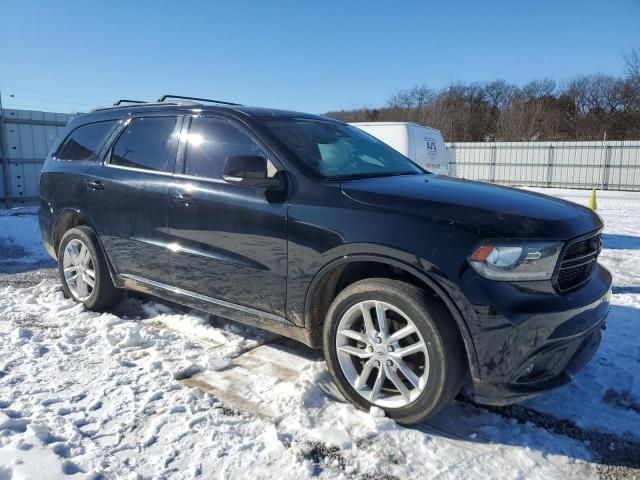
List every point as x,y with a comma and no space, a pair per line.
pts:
355,176
408,172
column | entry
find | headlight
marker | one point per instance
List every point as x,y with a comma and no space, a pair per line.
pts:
516,262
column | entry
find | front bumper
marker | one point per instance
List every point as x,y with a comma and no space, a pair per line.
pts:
527,346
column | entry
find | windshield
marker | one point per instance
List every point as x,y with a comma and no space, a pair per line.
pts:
339,151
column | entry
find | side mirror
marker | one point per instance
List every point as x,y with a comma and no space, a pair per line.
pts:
252,170
246,169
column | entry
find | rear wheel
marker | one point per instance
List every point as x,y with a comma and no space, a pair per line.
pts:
387,344
83,270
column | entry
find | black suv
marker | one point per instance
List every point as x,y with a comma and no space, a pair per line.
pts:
413,284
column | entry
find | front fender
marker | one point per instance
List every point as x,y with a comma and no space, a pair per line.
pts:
419,268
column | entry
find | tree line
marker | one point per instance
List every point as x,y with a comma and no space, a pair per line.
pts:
588,107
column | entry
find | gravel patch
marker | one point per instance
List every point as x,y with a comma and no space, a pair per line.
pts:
615,457
26,275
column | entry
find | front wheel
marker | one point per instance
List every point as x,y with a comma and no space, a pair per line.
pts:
83,270
388,344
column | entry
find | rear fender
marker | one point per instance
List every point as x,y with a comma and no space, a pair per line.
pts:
62,216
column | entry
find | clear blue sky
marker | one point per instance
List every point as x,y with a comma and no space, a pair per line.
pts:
312,56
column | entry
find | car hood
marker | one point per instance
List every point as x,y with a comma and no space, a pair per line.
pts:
491,210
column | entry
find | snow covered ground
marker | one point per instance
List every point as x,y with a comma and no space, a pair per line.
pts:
151,390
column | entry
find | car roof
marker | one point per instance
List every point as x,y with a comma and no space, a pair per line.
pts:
123,111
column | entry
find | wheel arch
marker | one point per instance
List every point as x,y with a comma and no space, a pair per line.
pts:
69,218
64,221
335,276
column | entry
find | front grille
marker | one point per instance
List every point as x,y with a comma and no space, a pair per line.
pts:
578,262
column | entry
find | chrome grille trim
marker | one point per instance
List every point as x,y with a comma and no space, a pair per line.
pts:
578,262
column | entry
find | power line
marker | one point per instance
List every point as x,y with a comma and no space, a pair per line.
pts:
24,105
42,92
48,100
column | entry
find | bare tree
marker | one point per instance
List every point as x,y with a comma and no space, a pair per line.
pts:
402,99
499,93
422,96
581,109
538,88
632,63
631,87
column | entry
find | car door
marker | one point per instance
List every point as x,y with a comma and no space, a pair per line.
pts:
67,173
230,241
129,196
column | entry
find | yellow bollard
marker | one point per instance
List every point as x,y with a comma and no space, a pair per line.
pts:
593,204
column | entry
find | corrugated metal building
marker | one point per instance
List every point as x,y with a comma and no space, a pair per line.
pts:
26,136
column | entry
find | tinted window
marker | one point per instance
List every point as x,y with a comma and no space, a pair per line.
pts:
147,143
211,141
85,141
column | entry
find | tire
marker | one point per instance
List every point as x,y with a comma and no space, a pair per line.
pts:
435,372
103,293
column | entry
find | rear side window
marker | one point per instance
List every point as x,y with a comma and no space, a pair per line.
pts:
211,141
147,143
84,142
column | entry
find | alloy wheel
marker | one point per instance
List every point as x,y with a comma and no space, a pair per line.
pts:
79,271
382,354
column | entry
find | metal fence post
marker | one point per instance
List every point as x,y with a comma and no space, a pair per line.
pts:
550,166
492,173
621,164
4,151
607,167
451,153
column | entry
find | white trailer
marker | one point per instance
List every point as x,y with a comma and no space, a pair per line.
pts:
424,145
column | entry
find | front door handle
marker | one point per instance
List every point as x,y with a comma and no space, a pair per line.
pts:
184,198
95,185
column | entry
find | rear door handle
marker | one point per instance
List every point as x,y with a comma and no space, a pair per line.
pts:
95,185
185,198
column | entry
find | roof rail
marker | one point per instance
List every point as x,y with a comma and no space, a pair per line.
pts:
180,97
129,103
124,100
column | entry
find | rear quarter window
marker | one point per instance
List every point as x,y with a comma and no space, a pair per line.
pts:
84,142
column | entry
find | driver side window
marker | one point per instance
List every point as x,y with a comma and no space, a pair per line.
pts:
211,141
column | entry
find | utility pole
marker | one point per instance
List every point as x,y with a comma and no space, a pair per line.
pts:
4,152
